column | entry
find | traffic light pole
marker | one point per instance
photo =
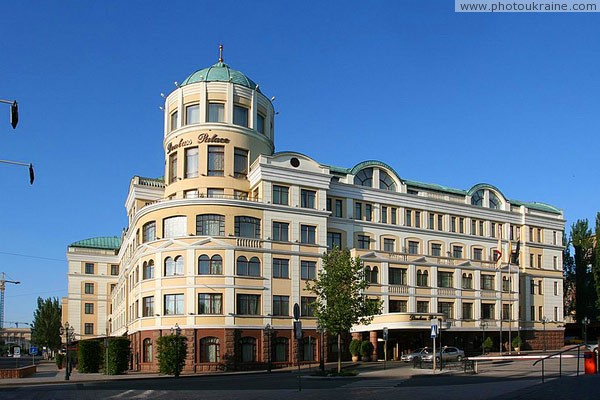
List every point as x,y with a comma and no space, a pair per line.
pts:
14,112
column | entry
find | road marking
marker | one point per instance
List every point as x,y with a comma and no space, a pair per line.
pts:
375,383
117,396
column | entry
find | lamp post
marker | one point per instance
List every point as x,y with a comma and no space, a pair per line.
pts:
483,324
268,332
68,331
544,322
177,331
585,322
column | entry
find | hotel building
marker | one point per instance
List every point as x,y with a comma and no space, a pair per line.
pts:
223,245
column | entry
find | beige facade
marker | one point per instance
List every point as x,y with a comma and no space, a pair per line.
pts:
224,244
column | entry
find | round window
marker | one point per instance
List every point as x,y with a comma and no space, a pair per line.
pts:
295,162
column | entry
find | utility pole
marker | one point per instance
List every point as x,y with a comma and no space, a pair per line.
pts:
3,283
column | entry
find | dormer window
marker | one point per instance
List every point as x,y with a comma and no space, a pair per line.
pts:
477,198
364,177
386,182
494,201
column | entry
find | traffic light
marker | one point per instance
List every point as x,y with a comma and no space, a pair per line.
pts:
14,114
31,174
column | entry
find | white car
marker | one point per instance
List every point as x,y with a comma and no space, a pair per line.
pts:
417,354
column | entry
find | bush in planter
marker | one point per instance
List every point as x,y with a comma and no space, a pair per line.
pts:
487,344
355,347
366,349
517,342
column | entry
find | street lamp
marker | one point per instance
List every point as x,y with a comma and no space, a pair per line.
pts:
544,322
68,331
177,331
585,322
269,333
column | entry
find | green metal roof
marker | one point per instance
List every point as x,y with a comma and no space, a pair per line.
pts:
220,72
102,242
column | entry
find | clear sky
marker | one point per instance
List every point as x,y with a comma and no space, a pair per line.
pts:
453,99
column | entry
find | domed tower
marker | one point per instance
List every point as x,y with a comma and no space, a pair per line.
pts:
217,122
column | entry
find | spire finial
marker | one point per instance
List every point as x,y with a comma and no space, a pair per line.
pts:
220,53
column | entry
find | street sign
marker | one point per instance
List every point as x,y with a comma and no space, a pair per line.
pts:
33,350
434,331
297,330
17,352
385,333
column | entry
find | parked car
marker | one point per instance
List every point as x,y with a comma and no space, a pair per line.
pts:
448,354
417,354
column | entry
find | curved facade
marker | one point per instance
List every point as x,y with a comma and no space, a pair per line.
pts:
223,245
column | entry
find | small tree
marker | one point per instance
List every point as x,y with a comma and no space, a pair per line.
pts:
341,302
366,350
487,344
46,323
517,342
354,347
171,354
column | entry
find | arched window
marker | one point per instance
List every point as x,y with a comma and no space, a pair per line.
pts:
281,349
248,349
210,350
148,270
467,281
422,278
147,350
210,225
216,265
203,265
477,198
254,267
179,265
309,348
169,266
368,273
241,266
248,268
494,201
375,275
364,177
386,182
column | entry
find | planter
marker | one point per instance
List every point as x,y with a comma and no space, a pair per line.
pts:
354,358
518,350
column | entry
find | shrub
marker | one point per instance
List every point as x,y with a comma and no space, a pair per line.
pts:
89,356
488,344
59,360
171,354
355,347
118,355
366,349
517,342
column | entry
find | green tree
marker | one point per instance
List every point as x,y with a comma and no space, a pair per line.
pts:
341,302
569,281
582,240
171,354
596,266
46,323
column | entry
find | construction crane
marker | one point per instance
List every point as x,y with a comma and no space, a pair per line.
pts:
3,283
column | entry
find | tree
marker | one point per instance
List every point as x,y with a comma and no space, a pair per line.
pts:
341,302
46,323
569,282
172,350
583,244
596,266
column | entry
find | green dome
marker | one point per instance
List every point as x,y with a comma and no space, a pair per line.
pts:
220,72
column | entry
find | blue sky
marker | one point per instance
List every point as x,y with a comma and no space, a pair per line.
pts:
447,98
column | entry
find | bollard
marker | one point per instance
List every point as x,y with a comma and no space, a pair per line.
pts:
589,362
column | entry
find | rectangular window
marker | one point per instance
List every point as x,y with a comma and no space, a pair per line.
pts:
89,308
436,249
210,303
532,311
338,208
149,232
240,195
248,304
541,313
505,312
308,270
248,227
417,219
398,306
488,311
478,254
240,163
467,281
447,309
175,227
173,304
408,218
539,235
192,114
556,288
397,276
216,160
473,227
505,284
368,212
554,239
413,247
431,221
307,198
216,112
539,264
89,288
487,282
452,224
260,123
281,268
334,239
555,313
532,260
174,120
89,268
457,251
394,217
308,234
467,311
307,306
389,245
357,210
532,287
384,218
173,167
281,305
281,195
461,225
88,328
493,230
481,228
114,270
364,242
148,306
440,222
280,231
445,279
240,116
540,286
555,262
191,162
422,306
